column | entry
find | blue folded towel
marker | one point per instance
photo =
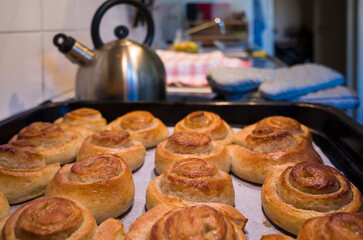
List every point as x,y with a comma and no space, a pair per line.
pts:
236,80
339,97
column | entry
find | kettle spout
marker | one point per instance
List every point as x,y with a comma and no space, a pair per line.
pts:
74,51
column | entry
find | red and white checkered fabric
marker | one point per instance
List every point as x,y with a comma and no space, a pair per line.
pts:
190,69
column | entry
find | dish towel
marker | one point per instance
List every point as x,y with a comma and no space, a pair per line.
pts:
190,69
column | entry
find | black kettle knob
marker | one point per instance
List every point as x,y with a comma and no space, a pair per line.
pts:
63,42
121,31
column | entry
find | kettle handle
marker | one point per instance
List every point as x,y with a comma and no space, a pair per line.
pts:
120,31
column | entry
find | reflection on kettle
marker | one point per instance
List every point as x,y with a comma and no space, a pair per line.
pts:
120,69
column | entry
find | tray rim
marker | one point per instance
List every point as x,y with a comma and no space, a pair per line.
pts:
340,114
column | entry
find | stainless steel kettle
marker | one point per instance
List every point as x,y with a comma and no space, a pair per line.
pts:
121,69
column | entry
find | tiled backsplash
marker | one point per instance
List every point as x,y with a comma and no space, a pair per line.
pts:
32,70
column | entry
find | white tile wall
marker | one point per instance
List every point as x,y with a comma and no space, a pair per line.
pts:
20,72
20,15
32,70
59,15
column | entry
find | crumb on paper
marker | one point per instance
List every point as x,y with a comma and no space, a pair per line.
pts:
239,184
266,224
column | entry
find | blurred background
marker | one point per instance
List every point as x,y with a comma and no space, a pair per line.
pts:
285,32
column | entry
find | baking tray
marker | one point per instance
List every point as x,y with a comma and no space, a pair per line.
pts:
337,136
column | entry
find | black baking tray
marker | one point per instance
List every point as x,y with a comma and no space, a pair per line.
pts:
339,136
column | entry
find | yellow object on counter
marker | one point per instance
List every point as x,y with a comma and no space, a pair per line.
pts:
190,47
260,53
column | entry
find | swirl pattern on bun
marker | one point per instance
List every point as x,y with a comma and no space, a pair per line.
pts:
114,142
342,226
190,180
294,194
88,117
23,171
260,150
56,142
286,124
142,126
50,218
207,123
183,145
102,183
196,222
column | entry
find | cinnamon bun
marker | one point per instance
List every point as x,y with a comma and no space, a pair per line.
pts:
190,180
294,194
342,226
181,145
50,218
261,150
56,142
102,183
142,126
114,142
207,123
23,171
195,222
88,117
111,229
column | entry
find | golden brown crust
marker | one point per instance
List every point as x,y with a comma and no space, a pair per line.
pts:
183,145
286,124
261,150
207,123
190,180
58,144
4,206
294,194
201,222
111,229
142,126
23,172
88,117
50,218
114,142
276,237
103,183
339,226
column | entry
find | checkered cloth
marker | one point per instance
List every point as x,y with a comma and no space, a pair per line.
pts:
191,69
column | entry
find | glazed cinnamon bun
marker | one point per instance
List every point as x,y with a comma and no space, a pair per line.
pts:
294,194
181,145
102,183
207,123
114,142
142,126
